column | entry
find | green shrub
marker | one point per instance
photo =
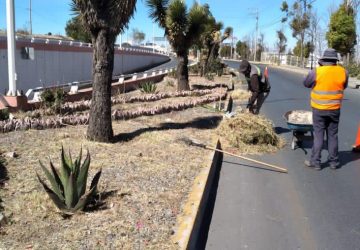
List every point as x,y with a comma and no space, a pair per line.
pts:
53,98
172,74
209,76
68,184
60,95
216,66
353,69
4,114
148,87
48,98
195,69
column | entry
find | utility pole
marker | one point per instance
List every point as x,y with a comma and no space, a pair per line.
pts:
10,25
256,14
30,17
153,38
231,48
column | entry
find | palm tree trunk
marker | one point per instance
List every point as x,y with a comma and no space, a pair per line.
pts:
100,126
182,71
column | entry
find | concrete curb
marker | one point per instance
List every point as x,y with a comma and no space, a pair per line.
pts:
190,222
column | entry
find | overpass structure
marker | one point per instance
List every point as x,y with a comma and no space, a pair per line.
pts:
42,62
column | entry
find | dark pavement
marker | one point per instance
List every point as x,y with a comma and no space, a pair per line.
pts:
305,209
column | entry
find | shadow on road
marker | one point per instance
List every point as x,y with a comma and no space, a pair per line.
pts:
281,130
199,123
286,99
348,157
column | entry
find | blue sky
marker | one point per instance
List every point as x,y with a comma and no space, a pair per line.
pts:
52,15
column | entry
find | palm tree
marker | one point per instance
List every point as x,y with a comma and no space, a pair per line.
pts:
104,20
182,29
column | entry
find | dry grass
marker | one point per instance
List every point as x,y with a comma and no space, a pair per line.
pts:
249,134
147,174
225,79
148,170
240,94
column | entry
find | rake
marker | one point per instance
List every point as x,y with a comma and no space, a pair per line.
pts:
192,142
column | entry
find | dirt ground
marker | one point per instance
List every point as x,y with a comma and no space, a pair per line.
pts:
147,175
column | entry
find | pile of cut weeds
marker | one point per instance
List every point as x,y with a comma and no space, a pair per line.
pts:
249,133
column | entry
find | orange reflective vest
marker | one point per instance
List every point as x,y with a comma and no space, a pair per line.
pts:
328,92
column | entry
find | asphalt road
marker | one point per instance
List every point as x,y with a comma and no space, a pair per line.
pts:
304,209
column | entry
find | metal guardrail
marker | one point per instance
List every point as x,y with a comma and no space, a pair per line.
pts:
43,40
74,87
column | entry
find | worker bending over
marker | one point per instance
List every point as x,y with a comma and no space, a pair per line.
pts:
259,87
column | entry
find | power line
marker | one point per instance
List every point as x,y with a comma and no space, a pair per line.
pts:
272,22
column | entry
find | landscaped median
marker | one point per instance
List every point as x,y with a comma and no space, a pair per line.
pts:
154,187
147,172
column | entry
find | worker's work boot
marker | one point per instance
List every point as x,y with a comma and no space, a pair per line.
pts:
308,164
334,165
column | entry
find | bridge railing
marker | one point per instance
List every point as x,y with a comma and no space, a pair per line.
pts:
74,87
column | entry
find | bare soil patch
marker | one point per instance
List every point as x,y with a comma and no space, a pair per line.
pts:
147,175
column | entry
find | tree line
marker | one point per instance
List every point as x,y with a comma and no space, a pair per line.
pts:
304,24
189,28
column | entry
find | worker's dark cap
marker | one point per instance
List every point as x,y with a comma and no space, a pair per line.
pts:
244,66
330,55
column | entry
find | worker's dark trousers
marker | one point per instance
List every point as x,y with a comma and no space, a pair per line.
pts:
258,100
325,120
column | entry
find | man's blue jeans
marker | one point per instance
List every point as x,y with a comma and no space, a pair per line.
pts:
325,121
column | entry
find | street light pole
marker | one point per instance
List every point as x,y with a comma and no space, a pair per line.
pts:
256,13
10,25
153,38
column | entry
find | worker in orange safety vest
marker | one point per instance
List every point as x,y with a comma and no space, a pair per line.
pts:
328,83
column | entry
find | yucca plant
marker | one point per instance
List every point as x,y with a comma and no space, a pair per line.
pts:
148,87
68,184
182,28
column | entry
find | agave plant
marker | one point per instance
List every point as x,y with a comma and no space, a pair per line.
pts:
148,87
68,184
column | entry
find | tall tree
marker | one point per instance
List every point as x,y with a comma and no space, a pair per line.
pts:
104,20
281,43
306,50
225,51
182,28
299,16
138,36
206,41
260,46
243,49
75,29
214,46
342,30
